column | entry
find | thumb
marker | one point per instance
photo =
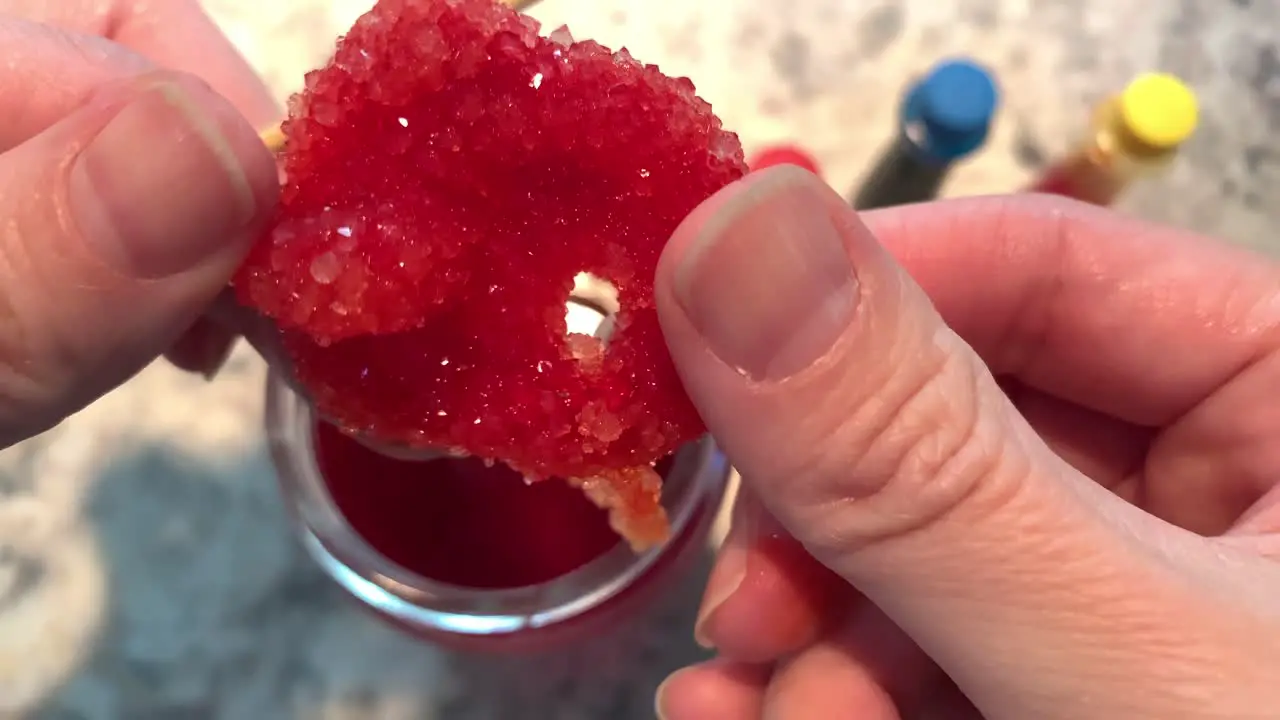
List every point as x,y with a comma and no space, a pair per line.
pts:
878,439
120,225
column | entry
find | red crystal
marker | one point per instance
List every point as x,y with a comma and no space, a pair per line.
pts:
448,174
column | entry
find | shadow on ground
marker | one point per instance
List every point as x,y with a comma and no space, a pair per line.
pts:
214,612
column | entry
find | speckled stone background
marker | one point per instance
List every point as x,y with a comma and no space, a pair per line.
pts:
146,568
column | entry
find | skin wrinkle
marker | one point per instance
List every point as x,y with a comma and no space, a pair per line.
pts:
904,466
825,422
972,450
975,456
881,420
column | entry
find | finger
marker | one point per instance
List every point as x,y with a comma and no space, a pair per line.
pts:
880,441
766,596
821,682
202,349
122,223
1106,449
1201,473
713,690
866,670
1221,457
259,331
175,34
1261,521
1081,302
262,334
945,701
50,73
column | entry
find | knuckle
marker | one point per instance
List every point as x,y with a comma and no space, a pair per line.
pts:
927,445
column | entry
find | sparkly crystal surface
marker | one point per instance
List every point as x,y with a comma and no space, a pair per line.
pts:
448,174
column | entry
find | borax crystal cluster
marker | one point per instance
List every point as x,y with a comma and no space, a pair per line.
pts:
448,174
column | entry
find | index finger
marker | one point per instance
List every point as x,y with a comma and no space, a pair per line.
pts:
1129,318
175,34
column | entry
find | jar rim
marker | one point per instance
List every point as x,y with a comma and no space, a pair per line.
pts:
698,474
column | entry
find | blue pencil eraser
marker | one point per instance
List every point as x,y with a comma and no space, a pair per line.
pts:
950,109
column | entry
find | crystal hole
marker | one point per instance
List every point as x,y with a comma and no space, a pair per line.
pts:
592,308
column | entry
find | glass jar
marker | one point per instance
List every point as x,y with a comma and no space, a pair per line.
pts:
586,601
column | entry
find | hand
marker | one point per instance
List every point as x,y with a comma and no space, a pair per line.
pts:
128,195
1034,478
176,35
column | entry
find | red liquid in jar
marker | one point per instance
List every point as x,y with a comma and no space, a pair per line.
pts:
459,522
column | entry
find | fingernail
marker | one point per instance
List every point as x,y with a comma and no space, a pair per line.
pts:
768,282
728,572
172,179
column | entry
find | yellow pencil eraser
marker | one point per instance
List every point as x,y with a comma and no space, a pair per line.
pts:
1159,110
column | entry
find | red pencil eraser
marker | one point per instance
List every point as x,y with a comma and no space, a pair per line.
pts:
783,155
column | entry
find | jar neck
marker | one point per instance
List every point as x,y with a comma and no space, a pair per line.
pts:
692,487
